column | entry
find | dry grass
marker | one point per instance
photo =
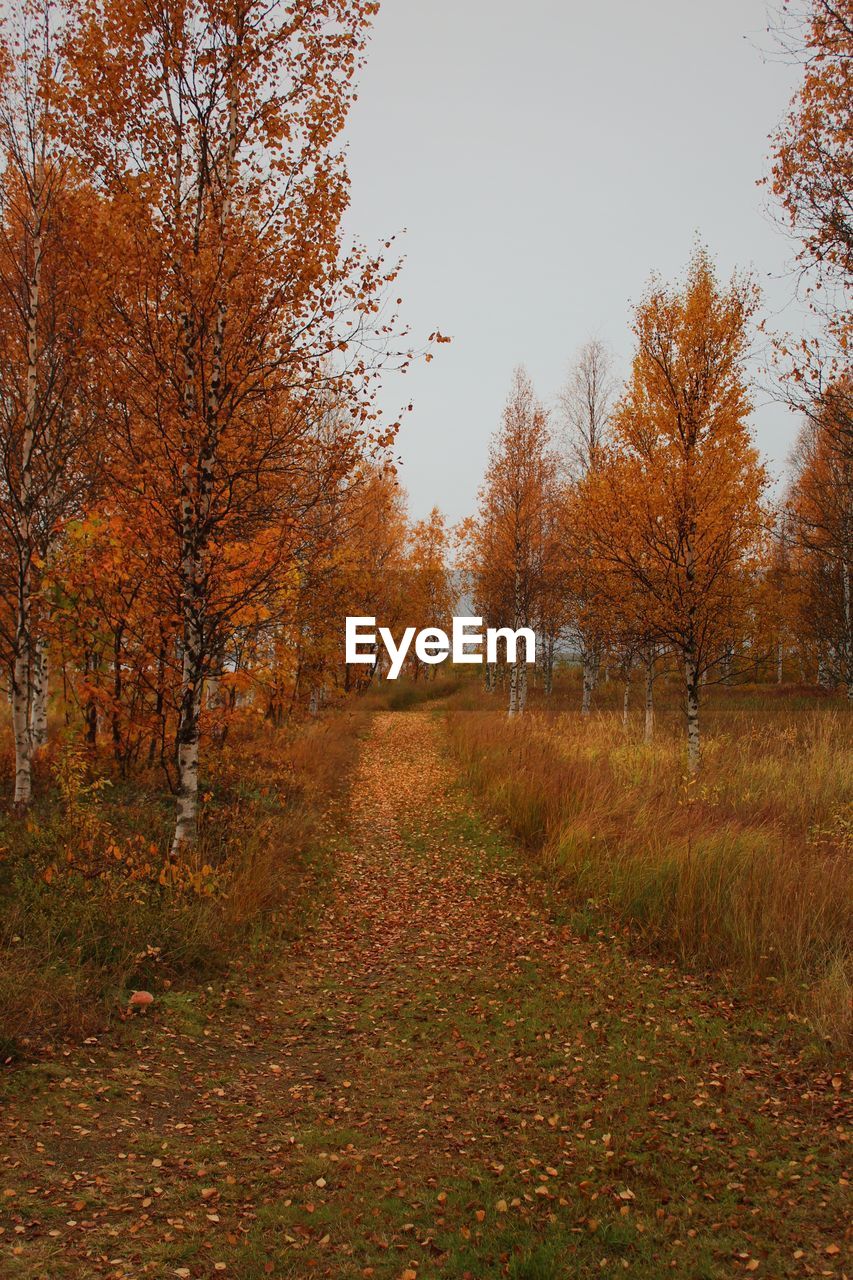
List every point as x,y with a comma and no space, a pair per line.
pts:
749,867
75,938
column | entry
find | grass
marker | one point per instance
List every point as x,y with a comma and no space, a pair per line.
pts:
462,1089
85,913
748,867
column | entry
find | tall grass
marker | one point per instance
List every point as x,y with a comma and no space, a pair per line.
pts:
748,867
86,913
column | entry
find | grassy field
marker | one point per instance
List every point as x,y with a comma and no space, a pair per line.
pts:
449,1075
748,867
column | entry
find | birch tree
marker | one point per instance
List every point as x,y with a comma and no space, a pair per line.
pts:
211,128
585,405
675,510
820,511
514,510
48,228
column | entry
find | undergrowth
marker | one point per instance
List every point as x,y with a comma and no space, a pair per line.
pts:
749,867
92,907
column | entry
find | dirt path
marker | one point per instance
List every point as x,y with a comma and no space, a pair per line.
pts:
442,1080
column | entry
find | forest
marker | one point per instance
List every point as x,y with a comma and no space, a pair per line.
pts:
524,969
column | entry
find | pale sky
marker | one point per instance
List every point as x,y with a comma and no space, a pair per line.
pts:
544,157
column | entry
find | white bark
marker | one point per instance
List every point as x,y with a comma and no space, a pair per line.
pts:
549,665
20,722
195,515
649,727
39,685
590,680
188,741
21,692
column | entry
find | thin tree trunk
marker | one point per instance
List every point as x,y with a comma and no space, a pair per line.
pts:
513,689
649,728
691,676
590,679
549,666
90,714
21,705
40,688
517,693
195,516
847,596
157,738
626,699
522,686
780,657
118,746
21,692
186,818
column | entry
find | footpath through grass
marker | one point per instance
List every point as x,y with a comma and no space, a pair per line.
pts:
441,1079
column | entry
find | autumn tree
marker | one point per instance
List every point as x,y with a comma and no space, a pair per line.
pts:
820,517
812,170
812,179
585,405
211,129
429,588
675,510
508,532
48,233
377,564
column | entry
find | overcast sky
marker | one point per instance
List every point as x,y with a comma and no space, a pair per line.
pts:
544,158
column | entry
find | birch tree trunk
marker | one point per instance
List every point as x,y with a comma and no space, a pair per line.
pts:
590,679
691,677
513,689
21,700
626,700
522,686
517,691
649,727
21,692
40,690
188,741
691,661
549,666
196,506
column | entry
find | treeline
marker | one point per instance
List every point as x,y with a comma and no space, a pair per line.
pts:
193,473
636,527
636,532
195,485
